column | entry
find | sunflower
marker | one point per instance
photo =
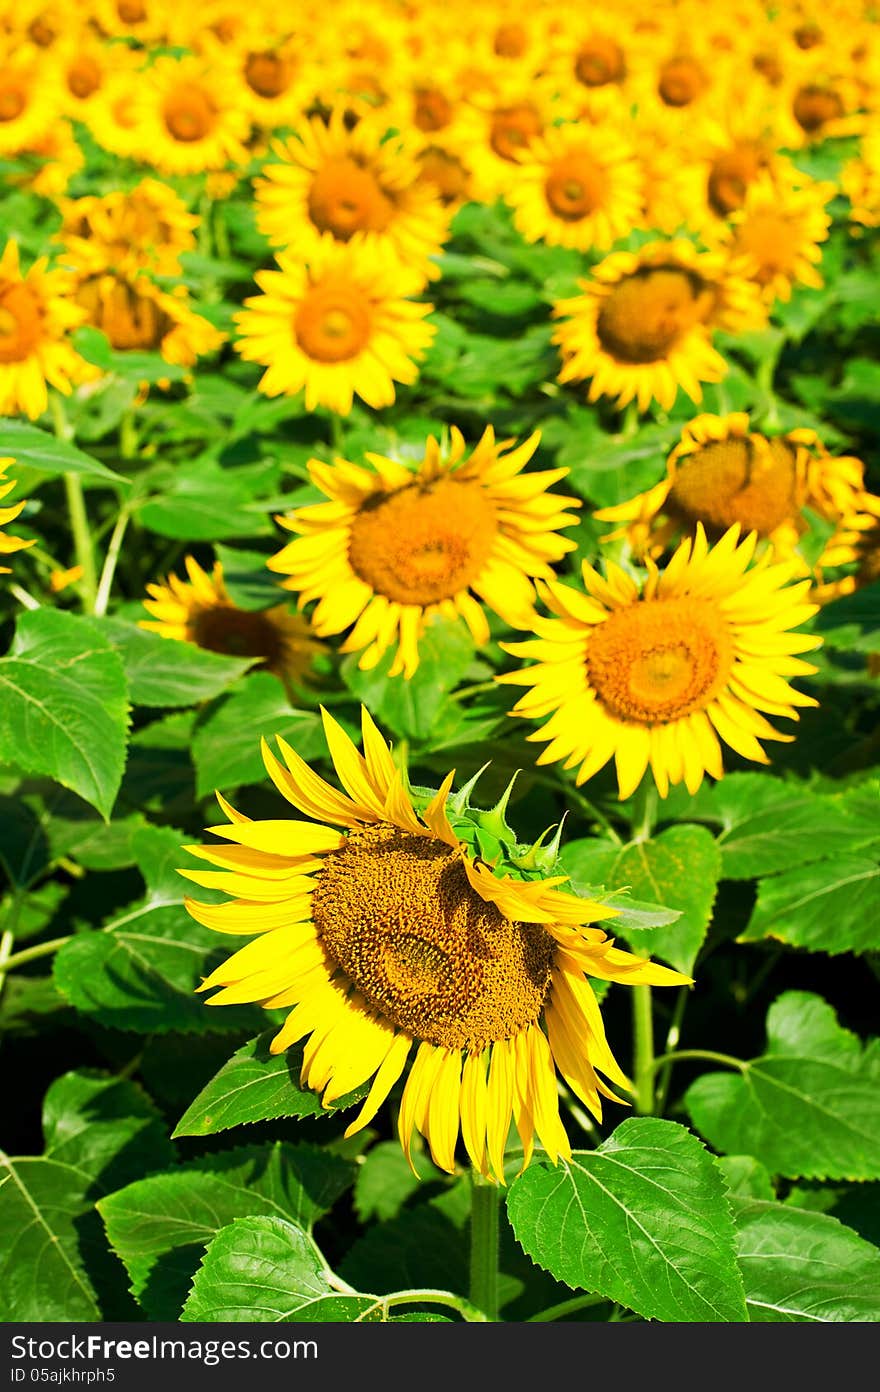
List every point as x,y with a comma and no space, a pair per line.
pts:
9,544
115,115
29,99
721,472
776,235
383,928
135,314
641,329
395,545
36,312
200,611
188,123
577,186
146,228
339,326
856,543
660,677
350,184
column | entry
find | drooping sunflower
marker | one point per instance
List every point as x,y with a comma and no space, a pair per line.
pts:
338,326
36,312
721,472
381,927
642,326
136,314
661,677
576,186
350,184
777,235
146,227
200,611
9,544
397,544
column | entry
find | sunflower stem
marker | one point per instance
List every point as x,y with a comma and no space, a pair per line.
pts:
31,954
644,810
102,594
672,1037
76,507
567,1307
629,420
643,1033
337,436
6,942
710,1055
485,1199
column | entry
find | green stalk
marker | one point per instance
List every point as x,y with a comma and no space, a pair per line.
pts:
485,1199
643,1035
31,954
82,539
102,594
76,507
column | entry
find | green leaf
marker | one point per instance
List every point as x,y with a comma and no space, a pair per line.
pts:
746,1177
48,454
106,1127
804,1267
255,1086
44,1255
678,868
809,1108
385,1180
267,1269
642,1220
165,672
141,971
769,825
832,906
409,708
159,1226
63,705
200,501
226,747
248,583
131,364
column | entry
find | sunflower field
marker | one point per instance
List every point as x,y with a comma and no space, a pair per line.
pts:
440,633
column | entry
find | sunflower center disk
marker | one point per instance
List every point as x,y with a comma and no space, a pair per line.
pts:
648,312
12,103
266,74
575,186
189,114
660,660
681,81
511,41
598,62
730,176
84,77
814,106
237,632
732,481
131,11
423,543
19,324
768,238
332,324
445,171
346,198
397,914
432,110
512,129
130,319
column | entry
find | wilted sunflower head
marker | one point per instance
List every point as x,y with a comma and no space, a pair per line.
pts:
402,541
395,918
722,474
